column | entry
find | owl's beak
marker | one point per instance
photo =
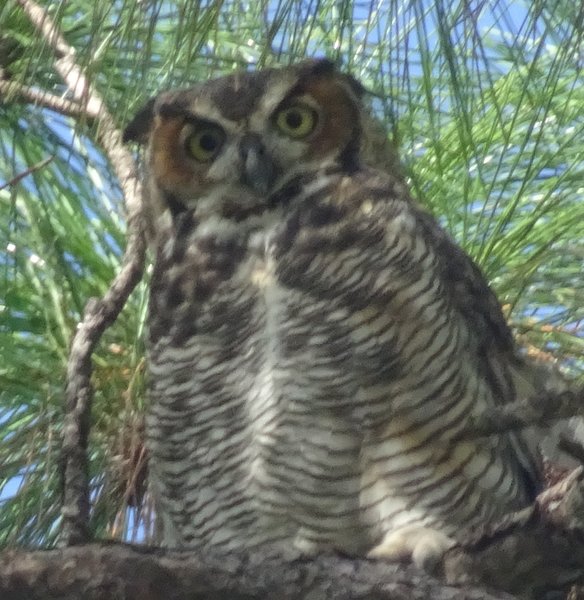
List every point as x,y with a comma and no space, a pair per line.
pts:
258,168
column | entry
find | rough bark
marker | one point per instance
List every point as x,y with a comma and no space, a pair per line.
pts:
535,553
105,572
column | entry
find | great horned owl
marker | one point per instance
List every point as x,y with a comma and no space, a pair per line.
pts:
316,340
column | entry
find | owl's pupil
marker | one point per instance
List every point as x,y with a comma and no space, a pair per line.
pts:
208,142
293,119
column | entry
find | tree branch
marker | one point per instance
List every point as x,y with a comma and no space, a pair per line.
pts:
99,314
535,553
102,572
17,178
65,59
539,410
12,89
532,552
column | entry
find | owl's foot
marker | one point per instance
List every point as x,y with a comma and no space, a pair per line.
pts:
424,546
307,547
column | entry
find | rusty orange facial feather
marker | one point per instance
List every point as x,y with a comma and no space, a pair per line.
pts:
340,110
168,158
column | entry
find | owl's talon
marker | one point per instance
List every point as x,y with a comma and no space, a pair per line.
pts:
305,547
424,546
308,548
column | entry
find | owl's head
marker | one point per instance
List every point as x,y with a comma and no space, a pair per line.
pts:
233,141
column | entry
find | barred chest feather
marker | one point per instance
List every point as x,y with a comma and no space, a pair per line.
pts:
298,397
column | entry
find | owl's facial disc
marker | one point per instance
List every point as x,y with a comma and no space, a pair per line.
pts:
243,139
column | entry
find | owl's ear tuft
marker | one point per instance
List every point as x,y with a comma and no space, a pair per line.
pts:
139,127
318,66
356,86
325,66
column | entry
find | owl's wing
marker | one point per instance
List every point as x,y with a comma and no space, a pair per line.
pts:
395,255
510,375
478,306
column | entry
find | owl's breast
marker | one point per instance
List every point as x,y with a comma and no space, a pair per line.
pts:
252,387
306,466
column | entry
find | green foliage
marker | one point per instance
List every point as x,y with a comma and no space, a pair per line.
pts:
484,101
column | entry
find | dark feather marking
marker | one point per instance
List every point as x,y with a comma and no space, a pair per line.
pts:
139,127
175,206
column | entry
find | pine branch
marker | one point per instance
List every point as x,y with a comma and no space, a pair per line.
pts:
535,553
12,90
99,314
539,410
105,571
17,178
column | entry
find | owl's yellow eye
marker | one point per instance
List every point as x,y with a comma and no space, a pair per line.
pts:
296,121
205,143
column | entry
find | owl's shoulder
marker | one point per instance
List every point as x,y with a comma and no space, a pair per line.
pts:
381,206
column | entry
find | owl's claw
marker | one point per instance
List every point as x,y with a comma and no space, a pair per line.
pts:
424,546
305,547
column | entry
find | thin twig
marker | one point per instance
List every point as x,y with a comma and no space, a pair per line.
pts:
65,63
26,173
538,410
17,91
99,314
